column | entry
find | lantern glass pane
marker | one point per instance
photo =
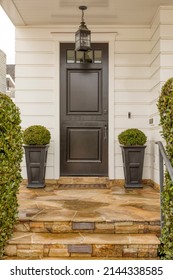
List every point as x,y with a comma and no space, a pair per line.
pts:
77,36
85,40
77,44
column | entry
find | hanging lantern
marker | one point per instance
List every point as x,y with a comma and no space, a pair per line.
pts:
83,35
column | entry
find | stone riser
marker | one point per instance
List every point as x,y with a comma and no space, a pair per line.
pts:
116,251
39,246
91,227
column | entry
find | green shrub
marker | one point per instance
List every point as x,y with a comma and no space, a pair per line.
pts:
11,153
165,106
132,136
36,135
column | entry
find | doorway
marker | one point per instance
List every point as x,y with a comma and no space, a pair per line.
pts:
84,111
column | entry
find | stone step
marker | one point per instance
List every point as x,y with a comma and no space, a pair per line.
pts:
75,258
70,245
116,227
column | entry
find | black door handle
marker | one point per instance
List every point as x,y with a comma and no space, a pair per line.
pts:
105,132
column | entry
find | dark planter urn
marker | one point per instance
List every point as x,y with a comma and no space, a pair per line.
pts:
36,158
133,161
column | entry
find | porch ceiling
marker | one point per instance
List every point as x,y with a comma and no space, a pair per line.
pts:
100,12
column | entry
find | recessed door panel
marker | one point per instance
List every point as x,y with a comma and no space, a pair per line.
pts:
84,91
84,144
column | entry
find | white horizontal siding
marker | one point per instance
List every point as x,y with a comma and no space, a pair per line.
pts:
138,109
132,87
131,59
133,72
166,15
155,35
166,31
155,80
166,73
37,109
166,60
132,46
161,70
122,122
30,33
34,96
166,45
34,83
132,33
131,97
2,71
143,60
34,45
35,71
44,120
166,50
155,65
155,52
25,58
153,96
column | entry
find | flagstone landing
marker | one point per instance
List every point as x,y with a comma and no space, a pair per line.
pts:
86,223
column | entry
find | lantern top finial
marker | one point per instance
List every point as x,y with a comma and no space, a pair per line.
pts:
82,7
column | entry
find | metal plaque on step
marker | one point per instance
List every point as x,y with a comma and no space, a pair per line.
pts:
82,225
78,248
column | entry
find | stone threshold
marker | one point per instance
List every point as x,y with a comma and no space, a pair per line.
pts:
95,180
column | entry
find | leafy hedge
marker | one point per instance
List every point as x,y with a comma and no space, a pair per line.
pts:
11,153
165,106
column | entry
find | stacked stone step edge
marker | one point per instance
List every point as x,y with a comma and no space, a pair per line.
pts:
84,240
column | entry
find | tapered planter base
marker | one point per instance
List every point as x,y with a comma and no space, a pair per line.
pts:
36,158
36,186
129,186
133,160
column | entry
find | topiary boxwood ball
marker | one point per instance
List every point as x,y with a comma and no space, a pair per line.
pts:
36,135
132,137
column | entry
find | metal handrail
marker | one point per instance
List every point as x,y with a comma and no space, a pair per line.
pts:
163,157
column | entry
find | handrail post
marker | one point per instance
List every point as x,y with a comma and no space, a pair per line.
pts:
161,171
163,158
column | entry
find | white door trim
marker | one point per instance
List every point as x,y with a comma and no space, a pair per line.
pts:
96,38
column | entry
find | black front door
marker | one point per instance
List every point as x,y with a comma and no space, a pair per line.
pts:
84,111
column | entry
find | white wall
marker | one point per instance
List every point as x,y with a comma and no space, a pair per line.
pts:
161,70
155,88
2,72
141,60
142,66
35,77
132,85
